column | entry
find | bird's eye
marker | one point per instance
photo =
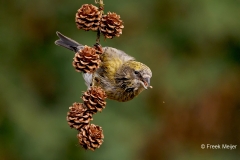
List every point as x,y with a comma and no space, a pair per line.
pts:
136,72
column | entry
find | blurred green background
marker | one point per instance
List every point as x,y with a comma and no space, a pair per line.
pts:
192,47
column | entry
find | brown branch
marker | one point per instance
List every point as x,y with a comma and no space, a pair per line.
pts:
100,2
98,36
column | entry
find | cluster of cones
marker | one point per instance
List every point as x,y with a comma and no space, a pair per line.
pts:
90,17
90,136
87,60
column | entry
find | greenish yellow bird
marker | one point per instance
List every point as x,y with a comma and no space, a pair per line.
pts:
119,75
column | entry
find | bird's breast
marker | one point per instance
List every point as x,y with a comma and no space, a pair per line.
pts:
123,95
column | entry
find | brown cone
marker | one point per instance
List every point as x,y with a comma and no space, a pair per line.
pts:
78,116
90,137
88,17
111,25
94,99
86,60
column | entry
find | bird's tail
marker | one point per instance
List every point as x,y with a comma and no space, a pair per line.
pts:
67,42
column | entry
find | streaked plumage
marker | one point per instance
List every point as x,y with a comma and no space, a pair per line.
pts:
119,74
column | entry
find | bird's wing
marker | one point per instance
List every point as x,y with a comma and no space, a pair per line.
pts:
111,60
113,53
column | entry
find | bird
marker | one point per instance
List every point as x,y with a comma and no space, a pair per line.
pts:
119,75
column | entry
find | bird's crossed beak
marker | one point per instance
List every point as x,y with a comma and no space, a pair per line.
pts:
146,82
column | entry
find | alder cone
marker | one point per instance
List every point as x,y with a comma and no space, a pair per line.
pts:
111,25
94,99
90,137
86,60
78,116
88,17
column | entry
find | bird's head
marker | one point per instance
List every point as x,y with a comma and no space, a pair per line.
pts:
134,76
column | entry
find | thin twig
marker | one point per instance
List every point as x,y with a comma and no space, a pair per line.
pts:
98,36
100,2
